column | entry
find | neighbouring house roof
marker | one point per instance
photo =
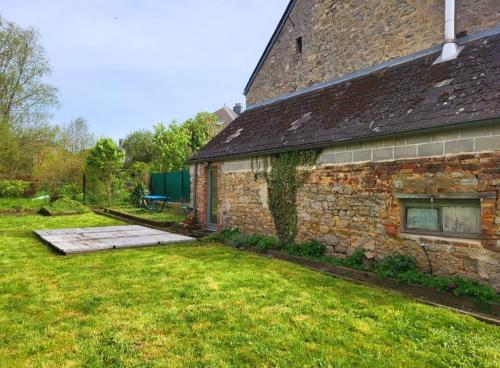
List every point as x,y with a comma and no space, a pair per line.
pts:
225,115
270,45
408,97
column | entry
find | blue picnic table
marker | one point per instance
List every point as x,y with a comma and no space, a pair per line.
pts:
152,202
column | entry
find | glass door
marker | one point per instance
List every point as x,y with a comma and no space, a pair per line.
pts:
212,198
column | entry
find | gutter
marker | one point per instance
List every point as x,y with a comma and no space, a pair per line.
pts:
325,144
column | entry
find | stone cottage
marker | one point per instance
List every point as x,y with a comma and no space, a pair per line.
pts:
402,98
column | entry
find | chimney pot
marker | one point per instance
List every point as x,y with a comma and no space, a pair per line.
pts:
237,108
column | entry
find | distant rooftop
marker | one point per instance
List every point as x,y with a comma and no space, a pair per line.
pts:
225,115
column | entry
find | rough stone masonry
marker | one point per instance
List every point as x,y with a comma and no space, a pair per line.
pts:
341,37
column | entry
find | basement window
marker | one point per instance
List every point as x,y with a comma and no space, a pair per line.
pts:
450,217
298,45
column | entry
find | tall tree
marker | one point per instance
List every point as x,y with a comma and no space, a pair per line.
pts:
24,100
171,148
76,136
24,97
201,129
104,161
138,147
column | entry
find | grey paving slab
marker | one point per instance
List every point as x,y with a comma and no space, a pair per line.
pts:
84,240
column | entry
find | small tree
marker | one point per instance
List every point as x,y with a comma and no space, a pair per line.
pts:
105,160
201,129
138,147
171,147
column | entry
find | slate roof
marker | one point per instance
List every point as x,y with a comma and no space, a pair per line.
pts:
225,115
407,97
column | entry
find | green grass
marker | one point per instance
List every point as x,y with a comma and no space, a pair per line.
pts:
66,206
21,204
195,305
172,213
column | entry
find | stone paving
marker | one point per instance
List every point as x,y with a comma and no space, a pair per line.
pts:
93,239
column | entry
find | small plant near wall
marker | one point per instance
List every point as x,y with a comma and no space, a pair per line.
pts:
285,174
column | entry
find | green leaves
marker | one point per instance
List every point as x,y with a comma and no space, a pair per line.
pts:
173,145
170,147
104,161
201,129
139,147
288,173
105,156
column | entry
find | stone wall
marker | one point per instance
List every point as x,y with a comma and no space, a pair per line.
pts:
340,37
348,206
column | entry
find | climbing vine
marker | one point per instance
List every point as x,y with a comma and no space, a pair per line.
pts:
285,174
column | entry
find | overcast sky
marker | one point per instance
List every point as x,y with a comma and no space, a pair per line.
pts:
127,65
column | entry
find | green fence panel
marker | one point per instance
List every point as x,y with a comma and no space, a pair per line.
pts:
158,184
174,184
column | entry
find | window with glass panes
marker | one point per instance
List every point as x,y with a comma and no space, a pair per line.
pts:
455,217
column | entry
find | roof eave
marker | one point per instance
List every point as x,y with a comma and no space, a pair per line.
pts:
344,141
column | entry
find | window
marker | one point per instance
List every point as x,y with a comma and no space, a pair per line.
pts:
298,45
454,217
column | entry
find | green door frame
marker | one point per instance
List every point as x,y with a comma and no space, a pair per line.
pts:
212,198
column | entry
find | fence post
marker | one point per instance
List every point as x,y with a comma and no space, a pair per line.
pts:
164,183
182,186
84,189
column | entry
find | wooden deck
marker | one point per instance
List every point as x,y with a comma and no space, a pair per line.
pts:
94,239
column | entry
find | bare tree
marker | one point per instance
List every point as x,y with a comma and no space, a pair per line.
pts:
24,97
76,136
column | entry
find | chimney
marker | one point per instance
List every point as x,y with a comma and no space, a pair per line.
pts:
450,47
237,108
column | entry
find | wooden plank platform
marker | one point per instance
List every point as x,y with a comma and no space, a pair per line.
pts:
94,239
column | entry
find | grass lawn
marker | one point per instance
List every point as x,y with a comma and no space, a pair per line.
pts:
172,213
21,204
209,306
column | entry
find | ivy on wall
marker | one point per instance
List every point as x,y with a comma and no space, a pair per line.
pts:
285,174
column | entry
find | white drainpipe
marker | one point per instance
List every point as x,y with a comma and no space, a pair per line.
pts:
450,47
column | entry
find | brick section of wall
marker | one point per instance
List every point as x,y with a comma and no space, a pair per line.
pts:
465,140
340,37
201,192
348,206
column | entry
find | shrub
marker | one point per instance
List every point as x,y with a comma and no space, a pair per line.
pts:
355,260
404,269
222,236
14,188
459,286
136,195
226,234
311,248
64,206
266,243
70,191
396,264
235,238
238,240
